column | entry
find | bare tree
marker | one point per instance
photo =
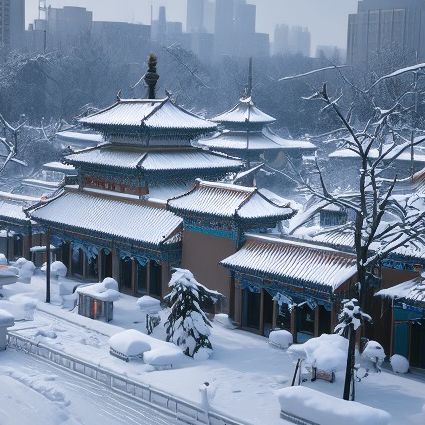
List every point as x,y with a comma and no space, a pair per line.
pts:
10,143
383,221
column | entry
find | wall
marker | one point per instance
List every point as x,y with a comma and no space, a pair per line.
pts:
202,254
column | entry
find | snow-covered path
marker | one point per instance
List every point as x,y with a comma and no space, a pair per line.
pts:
71,399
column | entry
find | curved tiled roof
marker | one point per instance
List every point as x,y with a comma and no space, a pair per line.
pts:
105,216
227,201
264,140
244,111
285,260
152,114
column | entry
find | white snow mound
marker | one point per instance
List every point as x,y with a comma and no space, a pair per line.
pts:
6,319
102,291
149,304
326,352
281,339
164,357
323,409
374,350
130,343
57,269
399,363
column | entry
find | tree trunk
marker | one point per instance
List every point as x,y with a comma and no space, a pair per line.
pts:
350,362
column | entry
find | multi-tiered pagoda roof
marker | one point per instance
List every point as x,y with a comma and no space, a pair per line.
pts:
246,133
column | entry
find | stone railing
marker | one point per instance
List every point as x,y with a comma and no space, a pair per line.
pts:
184,411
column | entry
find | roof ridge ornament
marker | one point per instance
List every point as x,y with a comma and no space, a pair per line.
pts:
151,76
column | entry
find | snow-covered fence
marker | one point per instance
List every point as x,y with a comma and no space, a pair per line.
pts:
185,412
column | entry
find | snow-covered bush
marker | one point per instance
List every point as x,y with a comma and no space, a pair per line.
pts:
326,352
57,269
224,320
320,408
3,260
26,269
374,355
149,304
399,363
281,338
164,356
187,325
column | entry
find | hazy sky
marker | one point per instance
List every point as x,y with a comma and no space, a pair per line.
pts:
327,19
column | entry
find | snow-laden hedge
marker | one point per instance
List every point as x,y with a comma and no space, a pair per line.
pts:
323,409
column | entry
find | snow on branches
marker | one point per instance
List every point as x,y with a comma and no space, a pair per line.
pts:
351,315
382,220
187,325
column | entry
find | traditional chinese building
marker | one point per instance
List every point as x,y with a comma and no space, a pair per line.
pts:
245,133
113,222
294,285
406,303
216,217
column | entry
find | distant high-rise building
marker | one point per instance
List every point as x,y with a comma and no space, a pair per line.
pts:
68,26
281,39
12,24
300,41
292,40
224,10
209,16
381,26
244,17
332,53
123,38
195,16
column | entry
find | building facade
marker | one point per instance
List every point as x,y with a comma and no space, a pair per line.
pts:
12,24
382,26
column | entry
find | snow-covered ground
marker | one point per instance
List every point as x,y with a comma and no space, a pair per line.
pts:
38,393
244,368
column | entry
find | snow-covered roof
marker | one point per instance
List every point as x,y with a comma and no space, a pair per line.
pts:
288,143
110,217
265,140
182,159
244,111
14,211
79,137
412,290
147,113
228,201
287,260
335,236
240,140
59,167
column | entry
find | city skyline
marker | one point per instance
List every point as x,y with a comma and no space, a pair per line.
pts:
304,13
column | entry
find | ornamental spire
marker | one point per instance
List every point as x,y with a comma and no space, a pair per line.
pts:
151,76
249,88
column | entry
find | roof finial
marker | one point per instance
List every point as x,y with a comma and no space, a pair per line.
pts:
249,88
151,76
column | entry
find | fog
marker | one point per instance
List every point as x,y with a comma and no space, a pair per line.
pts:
326,19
